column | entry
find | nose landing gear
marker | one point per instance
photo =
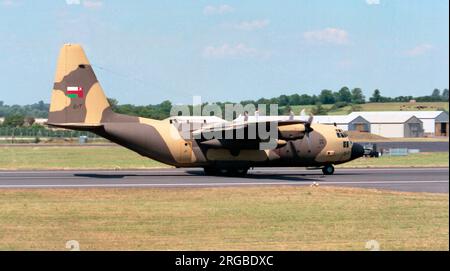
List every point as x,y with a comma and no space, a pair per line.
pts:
328,170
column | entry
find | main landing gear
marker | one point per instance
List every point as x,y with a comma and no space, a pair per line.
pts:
328,170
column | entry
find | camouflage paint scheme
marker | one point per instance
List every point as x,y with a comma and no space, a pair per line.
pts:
161,140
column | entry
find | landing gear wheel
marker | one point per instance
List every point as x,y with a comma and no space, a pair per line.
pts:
328,170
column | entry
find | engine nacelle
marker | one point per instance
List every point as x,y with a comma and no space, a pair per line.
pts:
291,131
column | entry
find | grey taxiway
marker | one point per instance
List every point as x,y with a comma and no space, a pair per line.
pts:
435,180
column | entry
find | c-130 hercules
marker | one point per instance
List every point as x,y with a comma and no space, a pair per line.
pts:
78,103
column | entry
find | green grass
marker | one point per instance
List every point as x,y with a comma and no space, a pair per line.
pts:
50,140
114,157
254,218
428,106
404,139
89,157
431,159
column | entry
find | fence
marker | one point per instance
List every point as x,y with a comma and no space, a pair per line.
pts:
398,152
41,132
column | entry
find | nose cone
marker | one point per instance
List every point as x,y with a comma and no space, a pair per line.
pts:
357,151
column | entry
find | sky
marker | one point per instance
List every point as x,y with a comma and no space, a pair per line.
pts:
145,52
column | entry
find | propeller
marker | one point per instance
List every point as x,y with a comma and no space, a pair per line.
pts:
308,129
302,113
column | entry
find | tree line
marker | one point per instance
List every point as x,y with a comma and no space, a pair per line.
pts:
19,116
36,110
436,96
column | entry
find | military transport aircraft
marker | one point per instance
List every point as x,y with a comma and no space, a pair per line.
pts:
79,103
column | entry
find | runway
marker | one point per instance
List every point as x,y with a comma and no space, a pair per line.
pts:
435,180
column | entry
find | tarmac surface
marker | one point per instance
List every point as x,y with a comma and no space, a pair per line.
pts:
434,180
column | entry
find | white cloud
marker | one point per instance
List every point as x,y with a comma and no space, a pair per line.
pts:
419,49
221,9
251,25
373,2
73,2
327,35
92,4
89,4
232,51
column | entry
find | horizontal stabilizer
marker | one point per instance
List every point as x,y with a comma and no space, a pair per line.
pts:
77,126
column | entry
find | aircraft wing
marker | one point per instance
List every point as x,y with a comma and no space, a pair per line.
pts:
249,135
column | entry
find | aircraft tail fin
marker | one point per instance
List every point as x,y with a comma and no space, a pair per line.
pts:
77,99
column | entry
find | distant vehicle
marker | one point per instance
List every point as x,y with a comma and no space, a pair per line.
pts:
79,103
370,150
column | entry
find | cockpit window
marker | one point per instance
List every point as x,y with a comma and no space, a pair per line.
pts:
340,133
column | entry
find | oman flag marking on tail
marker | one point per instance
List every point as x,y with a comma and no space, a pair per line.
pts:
74,92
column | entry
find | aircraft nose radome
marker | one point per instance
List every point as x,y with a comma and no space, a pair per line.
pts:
357,151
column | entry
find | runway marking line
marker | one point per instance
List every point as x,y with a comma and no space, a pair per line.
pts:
210,184
137,171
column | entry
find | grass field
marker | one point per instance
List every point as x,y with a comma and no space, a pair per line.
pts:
263,218
429,106
89,157
403,139
50,140
425,159
113,157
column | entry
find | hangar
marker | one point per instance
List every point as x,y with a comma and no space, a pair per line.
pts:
390,123
433,122
359,124
399,126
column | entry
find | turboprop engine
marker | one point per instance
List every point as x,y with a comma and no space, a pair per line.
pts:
291,132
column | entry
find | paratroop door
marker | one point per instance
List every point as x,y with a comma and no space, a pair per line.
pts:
186,152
